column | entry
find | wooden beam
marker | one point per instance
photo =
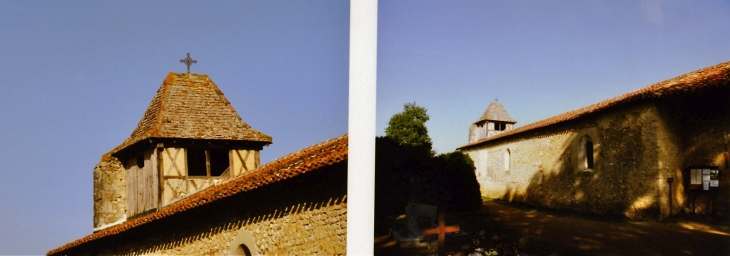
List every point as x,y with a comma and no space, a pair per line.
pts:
160,175
207,163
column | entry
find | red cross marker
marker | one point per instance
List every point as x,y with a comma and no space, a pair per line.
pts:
441,230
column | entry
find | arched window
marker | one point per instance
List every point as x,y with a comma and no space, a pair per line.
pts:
242,250
243,244
585,157
507,160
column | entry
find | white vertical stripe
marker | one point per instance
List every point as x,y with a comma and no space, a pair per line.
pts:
361,125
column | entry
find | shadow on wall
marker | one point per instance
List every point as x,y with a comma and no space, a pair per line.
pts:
275,214
635,149
703,121
621,180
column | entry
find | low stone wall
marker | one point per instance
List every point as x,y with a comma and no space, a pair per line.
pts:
110,196
303,215
297,230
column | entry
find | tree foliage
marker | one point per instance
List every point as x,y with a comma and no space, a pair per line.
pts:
406,169
454,185
409,127
394,167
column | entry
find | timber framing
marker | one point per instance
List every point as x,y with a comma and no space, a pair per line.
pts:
187,143
307,160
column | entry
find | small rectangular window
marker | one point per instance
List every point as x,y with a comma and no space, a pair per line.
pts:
196,162
218,162
499,126
212,162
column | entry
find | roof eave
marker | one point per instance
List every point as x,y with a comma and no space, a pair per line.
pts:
327,153
719,75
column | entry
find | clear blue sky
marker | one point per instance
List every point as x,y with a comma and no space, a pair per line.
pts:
539,58
77,77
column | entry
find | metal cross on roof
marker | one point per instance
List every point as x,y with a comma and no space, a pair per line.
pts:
495,99
188,61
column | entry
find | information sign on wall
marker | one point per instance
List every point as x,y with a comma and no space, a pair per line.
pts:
703,177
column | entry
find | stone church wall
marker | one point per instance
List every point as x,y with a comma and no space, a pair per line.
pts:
304,215
546,167
701,125
110,196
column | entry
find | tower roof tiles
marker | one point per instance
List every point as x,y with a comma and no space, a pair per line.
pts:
496,112
190,106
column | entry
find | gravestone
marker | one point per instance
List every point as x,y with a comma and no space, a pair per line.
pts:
421,221
423,212
410,236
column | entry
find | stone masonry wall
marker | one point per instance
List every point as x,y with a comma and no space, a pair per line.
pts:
110,196
546,168
702,125
304,215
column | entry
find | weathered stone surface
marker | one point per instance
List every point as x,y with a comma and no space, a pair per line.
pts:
109,192
299,216
635,149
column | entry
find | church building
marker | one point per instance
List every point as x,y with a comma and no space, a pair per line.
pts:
188,181
658,151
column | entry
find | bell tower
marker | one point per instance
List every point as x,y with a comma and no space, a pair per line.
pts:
495,120
190,138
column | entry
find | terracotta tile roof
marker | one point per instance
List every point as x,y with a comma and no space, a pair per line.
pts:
707,78
308,159
190,106
496,112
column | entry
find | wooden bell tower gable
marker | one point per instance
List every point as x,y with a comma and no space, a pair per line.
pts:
161,173
189,138
495,120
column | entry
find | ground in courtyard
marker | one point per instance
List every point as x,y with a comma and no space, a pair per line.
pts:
548,232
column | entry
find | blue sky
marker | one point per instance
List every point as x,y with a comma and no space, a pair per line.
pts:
539,58
77,77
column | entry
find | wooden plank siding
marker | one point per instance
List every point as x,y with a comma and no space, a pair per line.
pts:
131,168
142,184
151,188
159,151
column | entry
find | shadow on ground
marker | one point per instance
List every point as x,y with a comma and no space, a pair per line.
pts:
546,232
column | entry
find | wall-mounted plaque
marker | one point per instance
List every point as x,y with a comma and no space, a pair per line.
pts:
702,177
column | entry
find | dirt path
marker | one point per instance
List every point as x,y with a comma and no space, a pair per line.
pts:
566,234
543,232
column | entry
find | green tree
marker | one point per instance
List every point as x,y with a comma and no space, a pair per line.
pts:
407,170
408,128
